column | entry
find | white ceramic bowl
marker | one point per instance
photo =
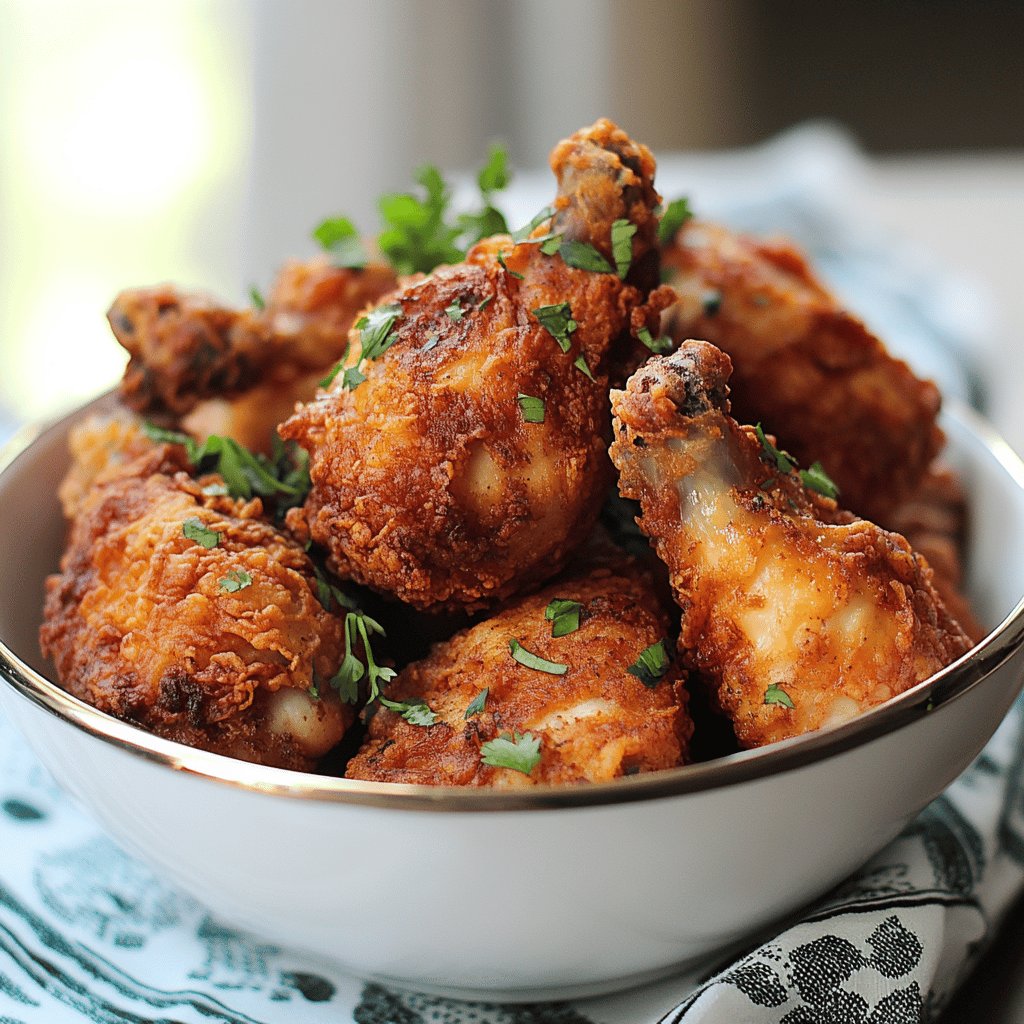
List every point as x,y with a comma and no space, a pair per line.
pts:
537,894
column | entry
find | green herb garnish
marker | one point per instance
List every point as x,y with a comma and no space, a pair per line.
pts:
359,626
531,408
583,256
415,712
504,266
816,479
524,232
581,364
535,661
551,245
256,298
558,322
416,237
194,530
656,345
622,245
237,579
783,461
775,694
520,752
455,311
478,703
564,616
677,214
375,330
339,237
651,665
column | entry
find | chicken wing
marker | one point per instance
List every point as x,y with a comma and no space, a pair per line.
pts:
181,610
240,372
799,615
461,456
602,701
804,367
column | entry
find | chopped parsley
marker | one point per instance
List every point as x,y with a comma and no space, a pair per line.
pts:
478,703
524,232
416,236
583,256
375,330
484,303
455,311
551,245
622,245
535,661
816,479
674,217
531,408
493,177
415,712
558,322
651,665
775,694
237,579
564,616
520,752
782,461
339,237
335,370
256,298
581,364
504,266
656,345
430,342
194,530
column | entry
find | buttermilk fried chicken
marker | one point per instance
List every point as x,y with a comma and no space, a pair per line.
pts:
798,615
181,610
803,366
605,701
461,456
240,372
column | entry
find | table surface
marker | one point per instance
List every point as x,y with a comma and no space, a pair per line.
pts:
968,212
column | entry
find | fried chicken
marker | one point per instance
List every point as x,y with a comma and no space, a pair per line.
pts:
799,615
594,720
240,372
185,612
803,367
462,457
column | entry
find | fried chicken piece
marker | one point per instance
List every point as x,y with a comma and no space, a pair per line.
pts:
595,722
429,481
805,368
933,519
245,369
798,618
219,646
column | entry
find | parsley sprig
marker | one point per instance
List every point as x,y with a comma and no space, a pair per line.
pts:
775,694
564,616
651,664
359,626
520,752
675,216
814,479
414,712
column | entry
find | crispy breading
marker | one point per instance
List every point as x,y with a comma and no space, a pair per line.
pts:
783,603
595,722
428,481
803,367
217,647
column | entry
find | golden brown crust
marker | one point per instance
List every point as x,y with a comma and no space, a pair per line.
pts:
595,722
804,367
427,482
777,589
139,624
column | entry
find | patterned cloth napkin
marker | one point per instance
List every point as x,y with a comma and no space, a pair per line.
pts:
89,934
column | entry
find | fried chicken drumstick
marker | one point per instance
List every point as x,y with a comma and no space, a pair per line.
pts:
182,610
803,366
800,615
585,715
461,455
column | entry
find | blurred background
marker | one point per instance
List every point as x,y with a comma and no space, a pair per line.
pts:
201,140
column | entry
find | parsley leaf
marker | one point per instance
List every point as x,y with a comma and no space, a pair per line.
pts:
478,703
558,322
535,661
651,665
494,175
677,214
416,237
455,311
415,712
237,579
524,232
622,245
339,237
775,694
816,479
551,245
583,256
256,298
564,616
194,530
375,330
783,461
656,345
531,408
504,266
359,626
581,364
520,752
336,369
